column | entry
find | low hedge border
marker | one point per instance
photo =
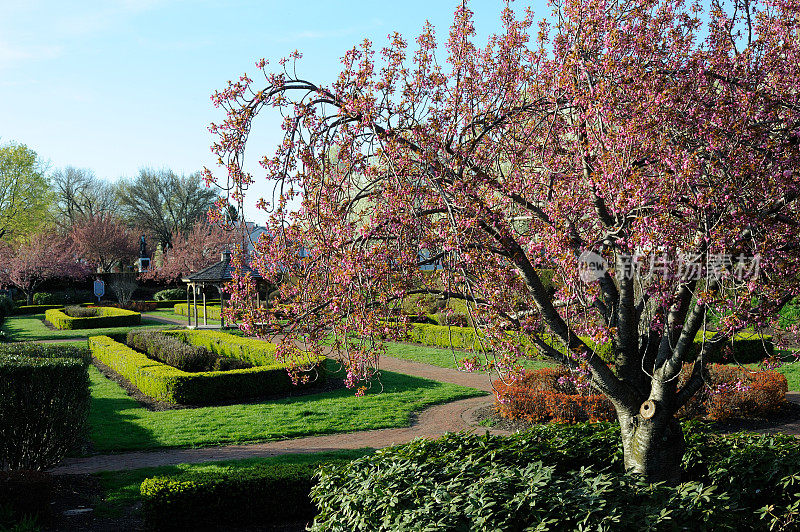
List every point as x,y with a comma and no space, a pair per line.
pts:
212,312
172,385
107,317
33,309
264,495
746,348
170,303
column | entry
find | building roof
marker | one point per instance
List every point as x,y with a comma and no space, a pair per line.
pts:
220,272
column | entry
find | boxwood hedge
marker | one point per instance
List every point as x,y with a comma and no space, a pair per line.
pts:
744,349
165,383
44,403
262,495
106,317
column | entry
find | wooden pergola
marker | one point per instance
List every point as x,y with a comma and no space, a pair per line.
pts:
215,275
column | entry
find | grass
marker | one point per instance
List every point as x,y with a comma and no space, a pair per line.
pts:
446,358
121,488
31,328
118,423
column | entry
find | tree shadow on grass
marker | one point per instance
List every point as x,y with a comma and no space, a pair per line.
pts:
113,417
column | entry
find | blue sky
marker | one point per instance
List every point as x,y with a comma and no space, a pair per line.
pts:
116,85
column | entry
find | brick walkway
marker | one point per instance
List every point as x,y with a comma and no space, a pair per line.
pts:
431,423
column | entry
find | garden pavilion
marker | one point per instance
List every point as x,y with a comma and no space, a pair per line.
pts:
215,275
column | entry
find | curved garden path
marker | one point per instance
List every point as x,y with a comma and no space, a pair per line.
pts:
430,423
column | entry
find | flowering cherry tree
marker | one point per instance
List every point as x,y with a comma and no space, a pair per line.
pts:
195,250
42,257
646,152
104,241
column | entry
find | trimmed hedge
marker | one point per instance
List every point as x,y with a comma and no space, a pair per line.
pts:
33,309
745,348
44,403
106,317
212,312
263,495
170,303
165,383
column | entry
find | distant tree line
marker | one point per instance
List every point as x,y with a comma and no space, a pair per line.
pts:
67,222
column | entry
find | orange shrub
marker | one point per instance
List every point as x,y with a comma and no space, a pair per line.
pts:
547,395
539,396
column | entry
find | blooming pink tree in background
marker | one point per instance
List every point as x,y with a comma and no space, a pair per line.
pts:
195,250
104,241
43,257
647,152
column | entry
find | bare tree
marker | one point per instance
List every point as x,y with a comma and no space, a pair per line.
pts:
80,195
163,203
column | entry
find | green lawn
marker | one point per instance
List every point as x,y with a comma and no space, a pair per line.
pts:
121,488
118,423
446,358
31,328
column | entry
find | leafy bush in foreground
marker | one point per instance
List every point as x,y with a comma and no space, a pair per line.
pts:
44,403
561,478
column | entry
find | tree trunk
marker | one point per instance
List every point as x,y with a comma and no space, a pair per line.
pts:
29,297
653,446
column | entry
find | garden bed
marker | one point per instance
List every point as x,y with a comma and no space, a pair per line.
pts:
168,384
91,317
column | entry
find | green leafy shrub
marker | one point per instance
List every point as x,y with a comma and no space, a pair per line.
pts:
560,478
176,352
6,306
263,495
44,402
165,383
47,298
170,293
105,317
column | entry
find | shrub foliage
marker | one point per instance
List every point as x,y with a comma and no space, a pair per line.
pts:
550,394
104,317
561,477
260,495
170,293
166,383
44,403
